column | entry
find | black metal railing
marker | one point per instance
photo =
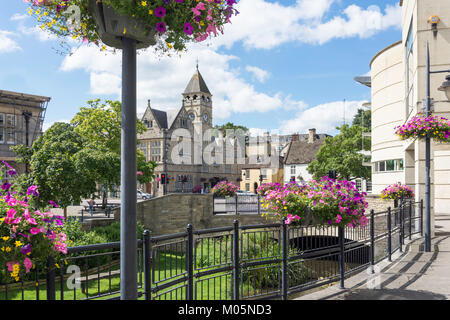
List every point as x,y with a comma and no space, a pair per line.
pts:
238,262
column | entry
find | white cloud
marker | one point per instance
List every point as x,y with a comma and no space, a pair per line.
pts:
258,73
163,80
324,117
36,31
7,44
18,16
266,25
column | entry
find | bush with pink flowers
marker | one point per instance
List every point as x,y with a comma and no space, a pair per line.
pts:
319,202
26,235
224,189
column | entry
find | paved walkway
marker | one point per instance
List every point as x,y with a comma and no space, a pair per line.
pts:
413,275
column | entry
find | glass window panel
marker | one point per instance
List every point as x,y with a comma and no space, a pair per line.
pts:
382,166
390,165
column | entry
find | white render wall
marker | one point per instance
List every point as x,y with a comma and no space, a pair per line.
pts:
300,170
387,113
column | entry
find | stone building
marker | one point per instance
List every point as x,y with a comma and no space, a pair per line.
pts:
196,154
21,119
398,86
299,153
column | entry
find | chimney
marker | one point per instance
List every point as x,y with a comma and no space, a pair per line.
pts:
312,135
295,137
148,101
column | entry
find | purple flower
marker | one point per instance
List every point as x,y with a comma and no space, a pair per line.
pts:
188,29
12,172
179,1
54,204
160,12
26,249
166,1
161,27
32,190
6,186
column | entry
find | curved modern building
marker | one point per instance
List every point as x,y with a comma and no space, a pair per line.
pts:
398,80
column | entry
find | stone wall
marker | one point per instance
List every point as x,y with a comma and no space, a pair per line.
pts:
172,213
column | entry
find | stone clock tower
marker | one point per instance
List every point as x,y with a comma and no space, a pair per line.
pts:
197,101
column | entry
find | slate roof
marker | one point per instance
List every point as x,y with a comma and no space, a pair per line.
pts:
197,84
302,152
161,118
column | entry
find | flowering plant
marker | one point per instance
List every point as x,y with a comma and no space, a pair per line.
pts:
26,235
397,191
420,126
325,202
224,189
263,188
178,21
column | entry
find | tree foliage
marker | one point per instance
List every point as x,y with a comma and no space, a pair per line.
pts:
229,126
363,118
342,153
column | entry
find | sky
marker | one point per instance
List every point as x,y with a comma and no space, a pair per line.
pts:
282,66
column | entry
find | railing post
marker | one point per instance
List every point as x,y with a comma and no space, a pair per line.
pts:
400,232
410,219
190,263
341,257
51,289
236,204
421,218
402,222
147,265
389,227
396,212
372,240
284,266
235,260
259,204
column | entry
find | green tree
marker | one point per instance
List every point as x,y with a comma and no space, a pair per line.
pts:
229,126
342,153
363,118
56,169
100,124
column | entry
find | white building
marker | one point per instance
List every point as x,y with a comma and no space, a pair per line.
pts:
398,86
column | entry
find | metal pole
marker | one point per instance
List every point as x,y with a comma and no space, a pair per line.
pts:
421,218
410,219
236,260
284,266
128,233
51,293
147,265
341,257
372,240
190,263
427,162
389,226
165,160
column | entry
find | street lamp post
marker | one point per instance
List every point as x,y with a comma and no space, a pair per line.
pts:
446,88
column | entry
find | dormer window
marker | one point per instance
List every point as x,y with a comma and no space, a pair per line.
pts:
195,97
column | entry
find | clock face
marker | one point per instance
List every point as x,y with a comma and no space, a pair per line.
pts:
205,116
191,116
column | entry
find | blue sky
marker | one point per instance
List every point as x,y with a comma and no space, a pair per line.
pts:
282,66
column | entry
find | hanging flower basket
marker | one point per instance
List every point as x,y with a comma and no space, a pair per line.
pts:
112,26
397,191
105,22
324,202
420,127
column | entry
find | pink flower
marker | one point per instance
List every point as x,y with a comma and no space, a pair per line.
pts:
28,264
35,231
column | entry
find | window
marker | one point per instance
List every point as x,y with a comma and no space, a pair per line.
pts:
409,72
264,174
183,123
2,119
247,187
388,165
292,170
11,120
247,174
358,185
10,136
2,135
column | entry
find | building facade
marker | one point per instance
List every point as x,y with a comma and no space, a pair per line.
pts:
300,152
398,85
21,119
180,146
